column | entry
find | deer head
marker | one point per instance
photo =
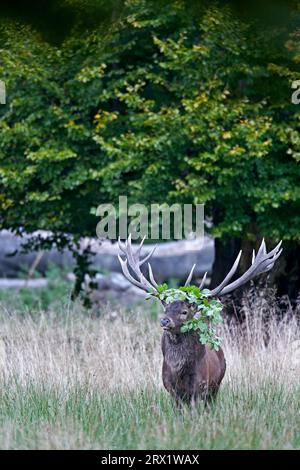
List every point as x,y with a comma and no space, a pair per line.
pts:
176,314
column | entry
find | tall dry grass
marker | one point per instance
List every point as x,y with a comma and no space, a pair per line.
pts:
69,380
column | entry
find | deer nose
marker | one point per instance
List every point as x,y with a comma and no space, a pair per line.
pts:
164,321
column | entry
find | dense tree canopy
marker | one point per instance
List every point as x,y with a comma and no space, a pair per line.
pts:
174,102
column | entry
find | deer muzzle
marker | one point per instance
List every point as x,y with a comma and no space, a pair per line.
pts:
165,323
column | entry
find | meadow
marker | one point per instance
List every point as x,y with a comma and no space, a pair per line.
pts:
171,104
70,380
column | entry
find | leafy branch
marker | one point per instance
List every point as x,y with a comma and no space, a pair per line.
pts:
207,316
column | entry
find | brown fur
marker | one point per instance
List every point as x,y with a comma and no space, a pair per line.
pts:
191,371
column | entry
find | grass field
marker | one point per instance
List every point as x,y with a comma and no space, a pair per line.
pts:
72,381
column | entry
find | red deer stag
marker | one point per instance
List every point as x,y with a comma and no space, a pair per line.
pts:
191,370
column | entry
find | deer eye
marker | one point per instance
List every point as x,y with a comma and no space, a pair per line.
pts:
184,312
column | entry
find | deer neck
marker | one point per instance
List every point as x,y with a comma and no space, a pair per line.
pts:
183,350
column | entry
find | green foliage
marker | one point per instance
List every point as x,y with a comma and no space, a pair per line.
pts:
173,102
45,298
207,316
205,321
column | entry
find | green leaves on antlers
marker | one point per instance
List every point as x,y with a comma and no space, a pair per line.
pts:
207,316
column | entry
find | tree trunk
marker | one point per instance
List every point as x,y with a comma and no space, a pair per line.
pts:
226,250
288,273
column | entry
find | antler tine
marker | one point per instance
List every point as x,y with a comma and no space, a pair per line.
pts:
261,263
262,251
140,246
189,278
129,253
151,276
128,275
203,281
122,248
268,263
232,271
272,262
264,262
134,263
148,256
133,258
275,250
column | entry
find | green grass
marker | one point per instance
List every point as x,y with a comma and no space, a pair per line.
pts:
33,417
69,380
25,300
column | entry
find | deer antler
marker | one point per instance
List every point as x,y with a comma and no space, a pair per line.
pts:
134,262
189,278
261,263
